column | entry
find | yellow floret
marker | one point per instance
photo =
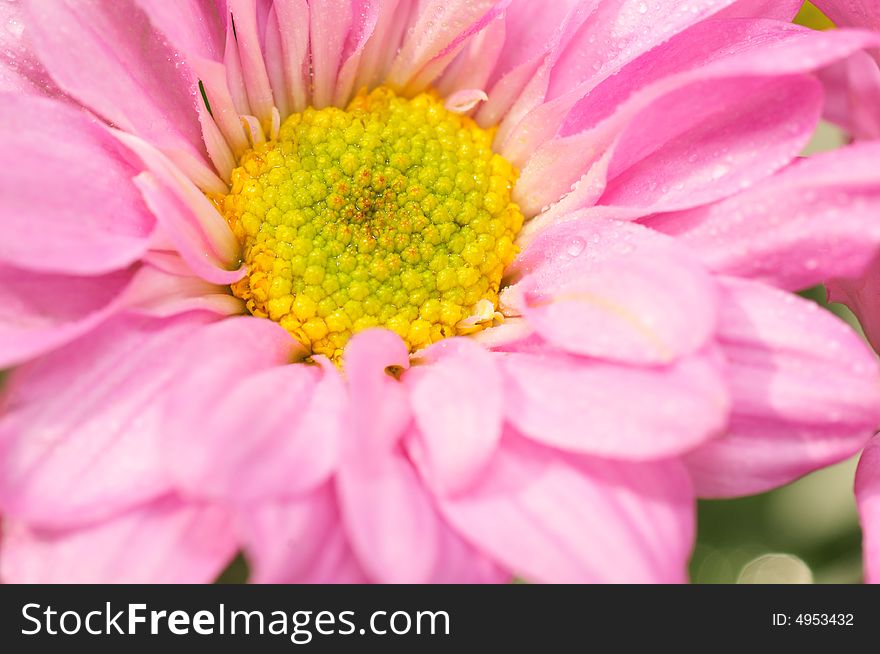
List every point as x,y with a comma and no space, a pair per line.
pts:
393,212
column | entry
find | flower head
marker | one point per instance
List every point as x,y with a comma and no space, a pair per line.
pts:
415,291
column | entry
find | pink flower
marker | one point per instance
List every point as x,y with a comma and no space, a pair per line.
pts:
149,433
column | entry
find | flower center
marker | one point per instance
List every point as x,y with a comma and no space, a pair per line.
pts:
392,213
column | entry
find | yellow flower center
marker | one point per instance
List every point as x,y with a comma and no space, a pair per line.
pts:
392,213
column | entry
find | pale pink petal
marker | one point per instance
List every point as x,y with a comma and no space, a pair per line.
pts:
560,520
699,60
160,292
366,17
805,390
868,497
293,23
256,78
440,27
41,311
109,57
20,70
165,541
617,32
816,220
613,290
862,295
292,410
587,406
330,21
194,27
66,196
180,225
390,520
379,406
472,68
728,135
79,430
299,541
853,95
456,397
462,102
784,10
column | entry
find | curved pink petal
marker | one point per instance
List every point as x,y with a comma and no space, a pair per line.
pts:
66,197
617,32
79,427
193,26
805,390
862,295
41,311
179,224
390,520
613,290
165,541
588,407
456,397
565,520
853,95
784,10
20,70
241,381
299,541
109,57
854,13
811,222
329,22
439,28
868,497
705,57
379,408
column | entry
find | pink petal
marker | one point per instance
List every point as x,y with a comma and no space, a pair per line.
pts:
617,32
784,10
813,221
704,58
805,389
299,541
868,496
256,78
329,24
66,196
853,95
366,17
109,57
592,407
192,26
456,397
862,295
20,70
855,13
79,431
165,541
292,410
441,26
379,406
41,311
731,134
557,520
293,22
613,290
390,520
181,226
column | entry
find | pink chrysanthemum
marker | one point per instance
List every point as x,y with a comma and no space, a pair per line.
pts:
466,358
